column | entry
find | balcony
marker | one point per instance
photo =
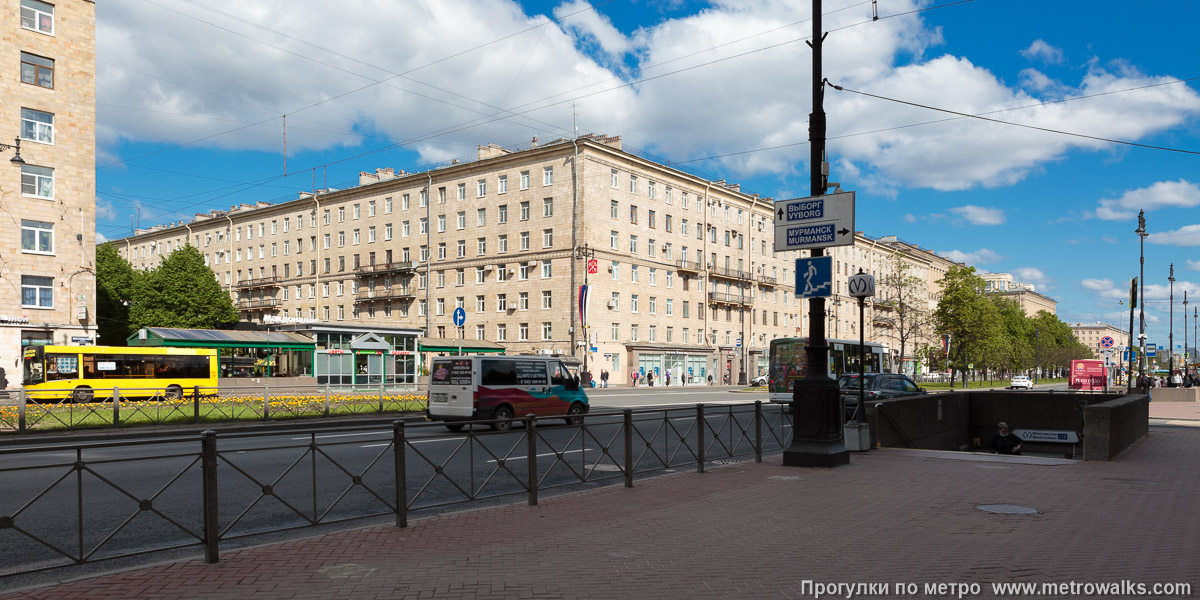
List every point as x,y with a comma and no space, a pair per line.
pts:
689,266
727,273
404,266
258,304
767,281
726,298
382,293
261,282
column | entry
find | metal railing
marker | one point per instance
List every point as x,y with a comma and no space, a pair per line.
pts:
252,303
70,504
385,293
728,298
30,411
384,268
272,281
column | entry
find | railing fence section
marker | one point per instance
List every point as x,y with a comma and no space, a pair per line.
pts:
74,504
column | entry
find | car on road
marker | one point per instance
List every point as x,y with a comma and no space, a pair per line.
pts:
760,380
876,386
1020,381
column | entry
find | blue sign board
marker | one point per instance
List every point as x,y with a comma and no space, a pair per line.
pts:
460,317
815,222
814,277
1151,349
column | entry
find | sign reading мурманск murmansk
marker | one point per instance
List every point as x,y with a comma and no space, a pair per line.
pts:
814,222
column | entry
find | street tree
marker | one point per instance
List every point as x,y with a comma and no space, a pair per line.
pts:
903,303
969,318
115,283
181,292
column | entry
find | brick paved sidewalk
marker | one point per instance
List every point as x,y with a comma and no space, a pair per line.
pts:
1188,411
747,531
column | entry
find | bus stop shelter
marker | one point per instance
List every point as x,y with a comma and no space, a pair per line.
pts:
239,353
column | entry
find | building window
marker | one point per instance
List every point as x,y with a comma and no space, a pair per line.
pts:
502,184
523,332
37,292
479,332
481,217
501,332
614,186
613,209
481,244
341,216
524,180
37,16
547,330
547,175
37,126
481,188
545,269
651,190
387,207
523,301
524,240
547,238
614,239
502,244
524,211
371,208
37,237
650,221
462,192
633,184
387,232
441,223
462,248
547,299
633,244
37,182
633,333
461,221
616,331
37,70
548,207
615,269
633,303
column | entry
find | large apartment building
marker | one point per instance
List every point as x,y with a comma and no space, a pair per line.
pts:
48,238
1092,334
681,272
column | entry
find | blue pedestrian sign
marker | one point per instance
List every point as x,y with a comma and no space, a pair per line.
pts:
814,277
460,317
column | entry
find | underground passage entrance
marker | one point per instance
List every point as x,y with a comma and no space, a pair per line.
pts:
1050,424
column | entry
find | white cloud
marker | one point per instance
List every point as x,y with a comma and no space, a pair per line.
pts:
978,215
1182,194
1097,284
1105,288
1188,235
910,218
1035,276
105,211
981,256
332,104
594,25
1040,50
1193,265
101,238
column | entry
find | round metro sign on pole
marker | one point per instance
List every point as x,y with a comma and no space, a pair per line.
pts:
861,286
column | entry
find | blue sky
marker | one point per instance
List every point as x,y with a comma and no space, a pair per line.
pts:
190,95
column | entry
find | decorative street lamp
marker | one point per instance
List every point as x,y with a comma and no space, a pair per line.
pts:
1171,321
16,159
1141,232
1185,342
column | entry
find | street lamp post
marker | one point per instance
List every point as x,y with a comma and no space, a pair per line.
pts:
1141,232
1171,321
1185,338
1036,356
588,254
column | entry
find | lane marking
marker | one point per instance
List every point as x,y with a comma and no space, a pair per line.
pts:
547,454
336,435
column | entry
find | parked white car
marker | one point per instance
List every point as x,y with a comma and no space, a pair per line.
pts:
1020,381
760,380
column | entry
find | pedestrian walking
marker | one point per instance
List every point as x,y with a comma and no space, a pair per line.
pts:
710,379
634,376
667,379
603,378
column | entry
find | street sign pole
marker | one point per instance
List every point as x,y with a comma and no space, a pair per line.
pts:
460,318
816,416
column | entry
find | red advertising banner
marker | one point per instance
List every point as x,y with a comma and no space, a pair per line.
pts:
1088,375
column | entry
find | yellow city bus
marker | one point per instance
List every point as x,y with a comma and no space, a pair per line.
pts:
87,373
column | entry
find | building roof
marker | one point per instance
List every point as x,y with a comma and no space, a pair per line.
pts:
220,338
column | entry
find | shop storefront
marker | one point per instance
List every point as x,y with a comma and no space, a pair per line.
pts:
361,356
686,365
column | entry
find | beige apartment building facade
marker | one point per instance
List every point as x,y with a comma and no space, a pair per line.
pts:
1091,335
681,268
49,241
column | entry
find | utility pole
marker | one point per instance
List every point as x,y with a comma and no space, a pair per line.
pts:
588,254
816,411
1171,321
1141,232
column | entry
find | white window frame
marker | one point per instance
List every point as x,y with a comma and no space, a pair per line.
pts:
40,231
31,11
40,288
36,181
35,130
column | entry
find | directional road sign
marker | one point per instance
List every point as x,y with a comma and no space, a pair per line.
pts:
460,317
1107,341
815,222
814,277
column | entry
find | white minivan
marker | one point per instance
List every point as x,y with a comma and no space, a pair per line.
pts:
499,388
